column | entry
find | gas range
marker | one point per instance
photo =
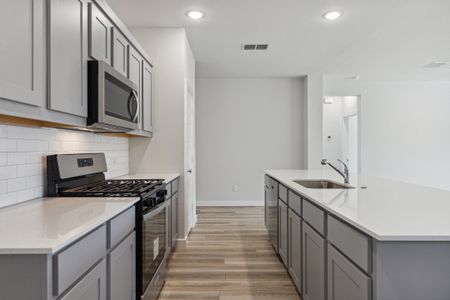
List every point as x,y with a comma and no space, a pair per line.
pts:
83,175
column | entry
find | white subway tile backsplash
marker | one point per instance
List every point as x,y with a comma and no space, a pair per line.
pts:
17,184
7,145
17,158
8,199
23,151
7,172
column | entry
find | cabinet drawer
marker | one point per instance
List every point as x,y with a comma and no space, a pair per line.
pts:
73,262
121,226
175,186
283,193
295,203
314,216
352,243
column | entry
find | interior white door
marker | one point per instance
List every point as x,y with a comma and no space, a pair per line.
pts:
190,192
352,142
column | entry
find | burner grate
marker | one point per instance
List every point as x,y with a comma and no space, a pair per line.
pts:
130,187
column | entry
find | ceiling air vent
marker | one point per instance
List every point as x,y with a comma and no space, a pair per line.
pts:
251,47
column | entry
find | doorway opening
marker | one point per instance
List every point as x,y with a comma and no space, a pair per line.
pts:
341,130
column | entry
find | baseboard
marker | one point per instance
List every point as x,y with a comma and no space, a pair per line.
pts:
230,203
181,243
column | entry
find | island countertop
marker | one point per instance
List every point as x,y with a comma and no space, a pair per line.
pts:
47,225
384,209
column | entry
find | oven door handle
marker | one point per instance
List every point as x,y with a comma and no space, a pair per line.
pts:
155,211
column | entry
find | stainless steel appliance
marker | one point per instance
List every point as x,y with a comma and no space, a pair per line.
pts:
82,175
113,101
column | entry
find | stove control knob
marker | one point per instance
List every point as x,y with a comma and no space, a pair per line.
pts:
161,193
148,202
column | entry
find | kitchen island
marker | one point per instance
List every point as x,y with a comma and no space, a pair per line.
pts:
380,240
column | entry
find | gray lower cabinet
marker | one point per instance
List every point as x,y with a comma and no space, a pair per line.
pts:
283,231
68,47
295,248
271,211
120,47
147,92
313,264
22,76
122,266
174,219
91,287
169,224
100,29
345,281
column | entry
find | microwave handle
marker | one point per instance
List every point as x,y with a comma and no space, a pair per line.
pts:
135,97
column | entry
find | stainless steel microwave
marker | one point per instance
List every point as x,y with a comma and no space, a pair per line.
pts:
113,101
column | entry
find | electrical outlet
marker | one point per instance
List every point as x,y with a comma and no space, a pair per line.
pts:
235,188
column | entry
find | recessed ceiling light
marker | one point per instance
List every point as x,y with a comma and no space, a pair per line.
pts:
332,15
195,14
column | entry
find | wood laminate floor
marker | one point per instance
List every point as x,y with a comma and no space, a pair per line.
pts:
228,256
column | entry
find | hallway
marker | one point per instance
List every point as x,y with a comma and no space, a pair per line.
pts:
228,257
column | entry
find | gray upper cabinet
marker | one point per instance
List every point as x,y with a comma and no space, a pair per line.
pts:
147,81
22,76
68,45
91,287
100,29
283,231
313,263
122,266
295,248
135,66
345,281
120,47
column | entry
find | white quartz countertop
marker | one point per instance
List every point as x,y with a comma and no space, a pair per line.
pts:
46,225
387,210
168,177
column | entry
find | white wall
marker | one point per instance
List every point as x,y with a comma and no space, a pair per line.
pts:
23,151
173,66
244,126
314,89
405,129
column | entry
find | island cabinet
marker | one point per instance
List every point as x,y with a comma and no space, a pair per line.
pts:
271,210
325,257
98,266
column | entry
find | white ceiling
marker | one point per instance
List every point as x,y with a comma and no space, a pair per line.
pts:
395,37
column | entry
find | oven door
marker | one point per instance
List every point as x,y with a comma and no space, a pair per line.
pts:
113,99
153,242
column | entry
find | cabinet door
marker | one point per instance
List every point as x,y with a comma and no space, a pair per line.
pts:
122,268
135,63
313,263
147,79
295,249
174,219
99,35
90,287
120,47
169,224
345,281
283,231
22,51
68,56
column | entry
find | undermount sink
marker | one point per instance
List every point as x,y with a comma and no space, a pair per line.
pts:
322,184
